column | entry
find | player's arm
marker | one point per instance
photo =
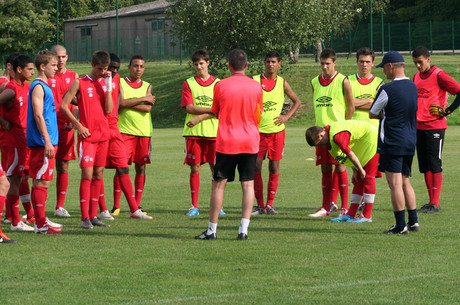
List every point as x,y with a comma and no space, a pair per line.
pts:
291,94
440,111
381,100
348,95
359,169
148,99
108,106
37,98
364,104
7,95
5,124
83,132
200,118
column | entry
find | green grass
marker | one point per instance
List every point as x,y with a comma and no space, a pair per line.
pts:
288,259
167,77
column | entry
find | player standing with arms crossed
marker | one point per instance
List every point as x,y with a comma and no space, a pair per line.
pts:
135,120
332,101
60,83
200,128
42,137
238,102
433,85
272,130
396,104
364,86
94,99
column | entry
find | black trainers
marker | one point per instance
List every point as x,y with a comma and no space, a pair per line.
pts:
96,221
414,227
423,208
204,235
258,211
394,230
271,210
242,236
432,209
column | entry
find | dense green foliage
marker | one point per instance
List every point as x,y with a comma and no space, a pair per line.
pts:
288,259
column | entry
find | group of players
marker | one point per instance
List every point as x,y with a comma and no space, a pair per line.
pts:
38,125
112,118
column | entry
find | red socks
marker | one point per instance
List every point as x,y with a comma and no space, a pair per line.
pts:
24,195
139,182
62,183
272,187
342,178
12,203
436,189
259,189
39,195
116,192
85,195
429,184
195,188
335,187
102,206
127,187
2,206
327,189
95,194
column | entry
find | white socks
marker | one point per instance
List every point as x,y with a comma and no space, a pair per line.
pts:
212,228
243,226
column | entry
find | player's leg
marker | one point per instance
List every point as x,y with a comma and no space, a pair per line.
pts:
12,199
96,186
103,210
24,196
422,156
259,186
356,198
434,152
194,189
409,195
141,158
116,196
4,186
395,183
273,180
139,182
342,178
65,153
246,170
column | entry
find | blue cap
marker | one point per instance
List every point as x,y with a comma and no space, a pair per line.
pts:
391,58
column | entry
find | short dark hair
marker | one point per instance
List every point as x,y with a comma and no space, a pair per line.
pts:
272,54
101,57
137,56
11,57
43,58
114,58
366,52
420,51
311,134
21,61
328,53
237,59
200,54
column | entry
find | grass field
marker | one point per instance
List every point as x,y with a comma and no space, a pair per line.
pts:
288,259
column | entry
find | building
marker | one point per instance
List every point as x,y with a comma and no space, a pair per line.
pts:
141,31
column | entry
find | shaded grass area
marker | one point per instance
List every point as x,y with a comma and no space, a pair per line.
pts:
288,259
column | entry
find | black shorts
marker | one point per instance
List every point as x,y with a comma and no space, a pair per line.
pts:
396,164
225,166
429,150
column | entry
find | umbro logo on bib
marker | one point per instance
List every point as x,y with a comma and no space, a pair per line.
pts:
364,96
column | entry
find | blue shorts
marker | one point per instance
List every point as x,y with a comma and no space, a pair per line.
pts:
396,164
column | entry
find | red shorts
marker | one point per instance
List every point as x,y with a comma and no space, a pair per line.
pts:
371,167
16,161
1,171
200,151
92,153
323,156
137,149
116,156
40,166
273,143
66,145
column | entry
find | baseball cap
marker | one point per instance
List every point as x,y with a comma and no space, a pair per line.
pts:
391,58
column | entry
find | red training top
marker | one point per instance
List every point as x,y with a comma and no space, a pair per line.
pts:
91,105
113,116
17,115
59,84
235,101
3,80
432,89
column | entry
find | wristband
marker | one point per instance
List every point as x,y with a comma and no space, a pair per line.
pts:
108,83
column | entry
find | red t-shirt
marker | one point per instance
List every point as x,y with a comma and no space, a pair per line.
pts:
326,81
17,115
365,81
187,98
59,84
113,116
3,80
267,84
91,105
342,139
235,101
445,83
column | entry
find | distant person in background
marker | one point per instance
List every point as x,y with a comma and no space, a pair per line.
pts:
396,105
433,85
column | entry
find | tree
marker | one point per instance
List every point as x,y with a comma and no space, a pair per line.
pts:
260,26
24,26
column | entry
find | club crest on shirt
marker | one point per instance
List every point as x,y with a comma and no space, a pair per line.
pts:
52,82
68,80
89,91
21,101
